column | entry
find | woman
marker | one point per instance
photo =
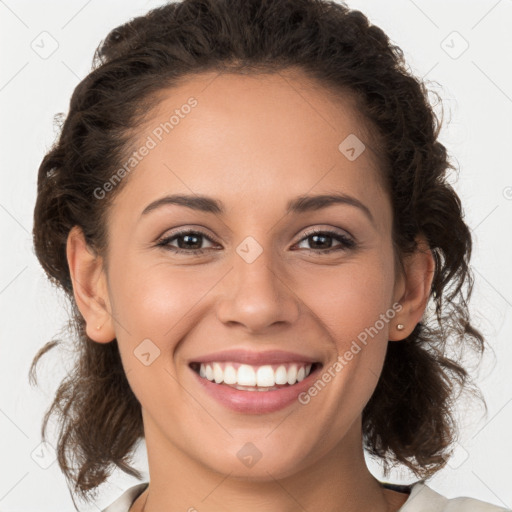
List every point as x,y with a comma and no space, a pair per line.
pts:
248,208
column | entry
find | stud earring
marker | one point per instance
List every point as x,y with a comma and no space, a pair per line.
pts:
98,327
400,327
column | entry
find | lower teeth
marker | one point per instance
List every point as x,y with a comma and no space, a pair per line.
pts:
254,388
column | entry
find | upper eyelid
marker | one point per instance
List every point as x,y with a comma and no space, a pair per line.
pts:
186,231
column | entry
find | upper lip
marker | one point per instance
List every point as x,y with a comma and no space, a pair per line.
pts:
254,358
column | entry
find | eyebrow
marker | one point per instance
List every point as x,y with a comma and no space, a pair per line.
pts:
301,204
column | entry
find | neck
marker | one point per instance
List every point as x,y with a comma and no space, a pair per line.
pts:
338,480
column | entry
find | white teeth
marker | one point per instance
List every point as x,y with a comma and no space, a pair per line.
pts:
254,388
229,375
292,374
254,378
246,375
218,374
281,376
265,376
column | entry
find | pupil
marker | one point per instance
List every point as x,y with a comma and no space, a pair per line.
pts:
186,239
316,237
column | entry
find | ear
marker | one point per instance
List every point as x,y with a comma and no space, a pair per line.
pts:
89,287
412,289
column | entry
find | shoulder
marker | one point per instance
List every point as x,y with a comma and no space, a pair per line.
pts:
422,498
125,501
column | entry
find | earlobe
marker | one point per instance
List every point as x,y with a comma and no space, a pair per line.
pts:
419,268
89,287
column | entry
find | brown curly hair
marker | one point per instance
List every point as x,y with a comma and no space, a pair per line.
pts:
409,419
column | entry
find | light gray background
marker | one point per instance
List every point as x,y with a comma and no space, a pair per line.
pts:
476,87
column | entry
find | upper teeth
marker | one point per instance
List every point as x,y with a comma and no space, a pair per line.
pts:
247,375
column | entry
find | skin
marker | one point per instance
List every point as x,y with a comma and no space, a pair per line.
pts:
252,142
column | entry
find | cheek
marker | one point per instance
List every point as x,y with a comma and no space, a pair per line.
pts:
159,302
155,307
152,299
352,304
352,299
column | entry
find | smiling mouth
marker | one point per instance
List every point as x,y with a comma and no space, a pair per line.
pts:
245,377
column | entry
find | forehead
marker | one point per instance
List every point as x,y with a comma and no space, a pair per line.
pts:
255,137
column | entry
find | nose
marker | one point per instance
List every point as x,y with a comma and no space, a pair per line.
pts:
258,295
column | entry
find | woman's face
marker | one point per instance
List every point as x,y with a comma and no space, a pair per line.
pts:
252,289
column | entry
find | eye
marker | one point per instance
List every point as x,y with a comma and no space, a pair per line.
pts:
324,238
188,242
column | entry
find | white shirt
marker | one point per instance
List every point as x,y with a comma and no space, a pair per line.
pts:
421,499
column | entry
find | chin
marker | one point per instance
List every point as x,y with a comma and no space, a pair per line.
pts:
258,460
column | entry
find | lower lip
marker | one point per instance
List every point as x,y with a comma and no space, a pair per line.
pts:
256,402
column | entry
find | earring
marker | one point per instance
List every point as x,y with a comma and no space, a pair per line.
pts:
400,327
98,327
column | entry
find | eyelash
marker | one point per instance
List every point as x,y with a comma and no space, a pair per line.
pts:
346,243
